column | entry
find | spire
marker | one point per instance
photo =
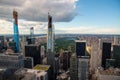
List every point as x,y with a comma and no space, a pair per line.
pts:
15,16
49,20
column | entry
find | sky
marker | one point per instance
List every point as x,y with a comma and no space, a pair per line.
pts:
69,16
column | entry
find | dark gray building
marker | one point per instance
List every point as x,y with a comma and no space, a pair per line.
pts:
106,53
116,55
28,62
73,68
11,61
34,52
80,48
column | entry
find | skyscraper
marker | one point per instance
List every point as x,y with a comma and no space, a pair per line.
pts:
94,57
83,68
11,61
34,52
50,45
28,62
116,55
116,40
16,32
80,48
50,42
106,53
73,68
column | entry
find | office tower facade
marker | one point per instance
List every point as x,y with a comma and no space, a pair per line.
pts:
34,52
12,45
65,60
116,40
42,51
83,68
28,62
32,35
23,43
73,68
116,55
110,63
80,48
11,61
94,57
57,60
106,52
16,32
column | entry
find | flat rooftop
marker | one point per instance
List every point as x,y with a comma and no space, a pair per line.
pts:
110,71
42,67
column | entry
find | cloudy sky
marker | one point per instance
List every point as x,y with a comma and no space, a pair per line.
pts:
69,16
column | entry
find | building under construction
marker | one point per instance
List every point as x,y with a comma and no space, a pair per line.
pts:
16,32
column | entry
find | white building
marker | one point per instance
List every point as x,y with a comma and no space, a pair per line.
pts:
31,74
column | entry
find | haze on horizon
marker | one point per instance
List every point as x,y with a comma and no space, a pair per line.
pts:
69,16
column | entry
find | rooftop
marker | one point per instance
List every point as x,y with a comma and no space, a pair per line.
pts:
110,71
80,40
42,67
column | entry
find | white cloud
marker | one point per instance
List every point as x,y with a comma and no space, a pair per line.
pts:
90,30
6,27
37,10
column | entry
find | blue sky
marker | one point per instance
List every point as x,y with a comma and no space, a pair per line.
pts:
98,14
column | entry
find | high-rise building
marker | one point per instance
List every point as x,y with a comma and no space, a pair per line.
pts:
116,40
83,68
116,55
94,57
110,63
11,61
23,43
28,62
65,59
12,45
73,68
32,35
16,32
80,48
42,51
106,53
56,63
34,52
50,41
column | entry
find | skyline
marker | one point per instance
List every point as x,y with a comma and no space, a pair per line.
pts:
69,16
